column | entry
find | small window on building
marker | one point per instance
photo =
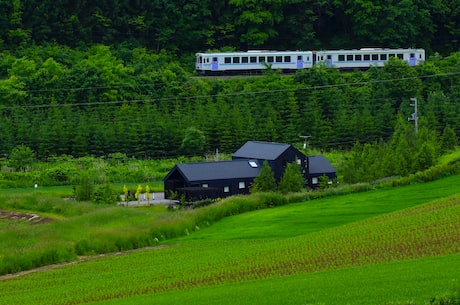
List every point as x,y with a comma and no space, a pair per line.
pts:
205,185
228,60
253,164
241,185
314,180
226,189
299,162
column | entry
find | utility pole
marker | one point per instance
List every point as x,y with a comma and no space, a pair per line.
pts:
414,116
305,139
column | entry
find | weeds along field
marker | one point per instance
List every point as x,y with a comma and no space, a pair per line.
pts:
420,244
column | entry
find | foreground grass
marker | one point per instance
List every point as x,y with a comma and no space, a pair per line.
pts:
408,240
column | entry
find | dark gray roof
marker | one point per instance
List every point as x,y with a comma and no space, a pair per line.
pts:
261,150
319,165
220,170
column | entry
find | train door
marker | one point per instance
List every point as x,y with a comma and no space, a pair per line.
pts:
214,64
329,61
412,60
299,62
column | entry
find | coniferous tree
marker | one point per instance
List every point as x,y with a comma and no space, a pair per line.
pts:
265,180
292,180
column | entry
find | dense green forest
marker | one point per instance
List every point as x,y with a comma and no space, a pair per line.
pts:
186,26
99,78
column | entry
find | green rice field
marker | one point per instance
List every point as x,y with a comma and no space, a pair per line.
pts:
388,246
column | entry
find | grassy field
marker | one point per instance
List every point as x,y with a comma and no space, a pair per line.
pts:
379,247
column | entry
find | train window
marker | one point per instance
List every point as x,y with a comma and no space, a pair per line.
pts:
244,60
358,57
236,60
383,57
341,57
228,60
349,57
308,58
375,56
367,57
391,55
261,58
299,57
270,58
400,56
253,59
287,58
279,58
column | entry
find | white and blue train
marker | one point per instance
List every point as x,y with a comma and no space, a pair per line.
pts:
235,62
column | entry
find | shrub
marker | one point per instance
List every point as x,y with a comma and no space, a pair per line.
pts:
84,190
105,194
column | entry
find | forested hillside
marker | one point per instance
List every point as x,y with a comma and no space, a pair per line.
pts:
95,78
185,26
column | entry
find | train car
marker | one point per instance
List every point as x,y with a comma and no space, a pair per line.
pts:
215,63
367,57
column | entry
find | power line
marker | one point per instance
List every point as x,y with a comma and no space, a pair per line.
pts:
218,95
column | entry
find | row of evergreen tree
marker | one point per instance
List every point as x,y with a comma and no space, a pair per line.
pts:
58,101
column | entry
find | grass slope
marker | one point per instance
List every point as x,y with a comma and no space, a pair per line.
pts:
316,215
420,245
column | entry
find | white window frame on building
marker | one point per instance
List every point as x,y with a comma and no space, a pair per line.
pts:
241,185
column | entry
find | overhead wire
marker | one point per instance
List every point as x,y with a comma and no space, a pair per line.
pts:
205,96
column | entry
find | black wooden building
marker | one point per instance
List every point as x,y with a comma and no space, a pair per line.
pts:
197,181
278,155
318,166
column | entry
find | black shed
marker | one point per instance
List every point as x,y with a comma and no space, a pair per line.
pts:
278,155
197,181
318,166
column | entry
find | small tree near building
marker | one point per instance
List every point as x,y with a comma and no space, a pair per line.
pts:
292,180
265,180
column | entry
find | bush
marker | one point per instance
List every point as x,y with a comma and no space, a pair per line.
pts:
84,190
105,194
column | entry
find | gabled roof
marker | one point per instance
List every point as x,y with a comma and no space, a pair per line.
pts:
319,165
220,170
261,150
